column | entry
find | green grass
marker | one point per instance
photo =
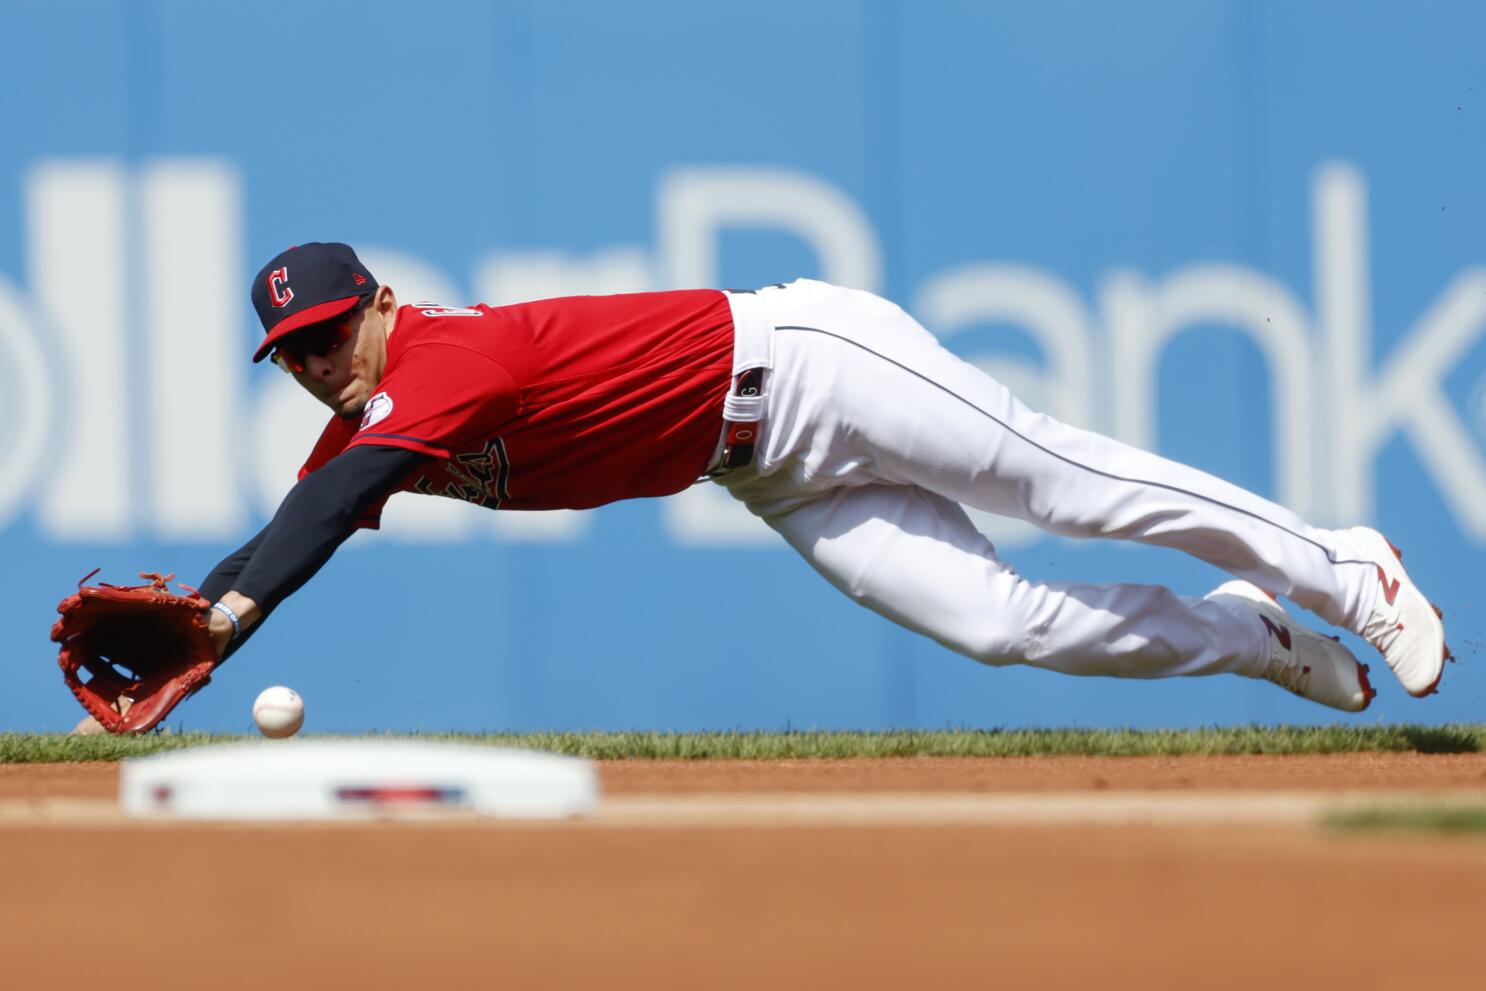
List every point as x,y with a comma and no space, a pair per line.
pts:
1418,819
20,748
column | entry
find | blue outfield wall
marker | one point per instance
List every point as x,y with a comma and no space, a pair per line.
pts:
1248,235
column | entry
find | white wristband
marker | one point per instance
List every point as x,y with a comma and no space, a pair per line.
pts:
226,610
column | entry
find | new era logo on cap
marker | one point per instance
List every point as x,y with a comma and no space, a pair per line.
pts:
305,285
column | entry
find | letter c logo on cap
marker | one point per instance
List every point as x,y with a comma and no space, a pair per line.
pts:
278,286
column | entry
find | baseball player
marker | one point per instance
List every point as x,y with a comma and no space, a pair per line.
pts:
838,420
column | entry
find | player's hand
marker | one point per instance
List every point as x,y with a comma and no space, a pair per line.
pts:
220,627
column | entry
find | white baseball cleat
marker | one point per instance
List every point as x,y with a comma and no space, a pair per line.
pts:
1404,626
1301,661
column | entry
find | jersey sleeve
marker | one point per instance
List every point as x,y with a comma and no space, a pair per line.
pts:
438,397
333,440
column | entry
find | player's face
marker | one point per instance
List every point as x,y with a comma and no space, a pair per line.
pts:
340,362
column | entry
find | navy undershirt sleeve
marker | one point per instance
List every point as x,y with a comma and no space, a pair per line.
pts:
315,518
224,574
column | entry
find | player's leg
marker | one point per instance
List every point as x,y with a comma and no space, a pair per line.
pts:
916,558
860,389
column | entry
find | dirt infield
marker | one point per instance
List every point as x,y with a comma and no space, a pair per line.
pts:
768,906
1305,772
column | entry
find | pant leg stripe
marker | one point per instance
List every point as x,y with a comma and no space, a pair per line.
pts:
1067,460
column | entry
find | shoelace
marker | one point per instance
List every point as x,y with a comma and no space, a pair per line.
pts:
1289,674
1384,626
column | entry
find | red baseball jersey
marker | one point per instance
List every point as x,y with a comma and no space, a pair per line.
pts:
556,404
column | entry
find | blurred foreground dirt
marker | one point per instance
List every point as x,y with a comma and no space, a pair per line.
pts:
570,906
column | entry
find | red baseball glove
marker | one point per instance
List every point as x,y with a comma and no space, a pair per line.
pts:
131,653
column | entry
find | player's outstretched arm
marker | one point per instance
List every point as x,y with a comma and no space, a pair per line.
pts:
315,518
217,587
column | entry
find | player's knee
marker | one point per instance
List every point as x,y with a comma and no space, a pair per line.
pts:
1010,631
993,643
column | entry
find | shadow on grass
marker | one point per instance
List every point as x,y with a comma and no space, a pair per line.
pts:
1426,819
1441,739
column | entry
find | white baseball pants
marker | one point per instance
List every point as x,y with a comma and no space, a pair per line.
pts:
874,438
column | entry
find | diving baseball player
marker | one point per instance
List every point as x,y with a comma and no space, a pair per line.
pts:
844,425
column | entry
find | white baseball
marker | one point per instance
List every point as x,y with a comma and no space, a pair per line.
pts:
279,712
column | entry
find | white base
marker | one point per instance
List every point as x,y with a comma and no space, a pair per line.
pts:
356,779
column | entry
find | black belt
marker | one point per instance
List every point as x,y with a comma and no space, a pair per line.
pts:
737,449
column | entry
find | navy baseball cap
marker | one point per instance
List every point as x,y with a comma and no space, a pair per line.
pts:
307,284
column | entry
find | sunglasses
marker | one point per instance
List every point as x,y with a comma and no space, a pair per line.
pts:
316,341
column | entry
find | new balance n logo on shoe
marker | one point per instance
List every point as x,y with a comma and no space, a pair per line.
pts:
1390,591
1280,632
